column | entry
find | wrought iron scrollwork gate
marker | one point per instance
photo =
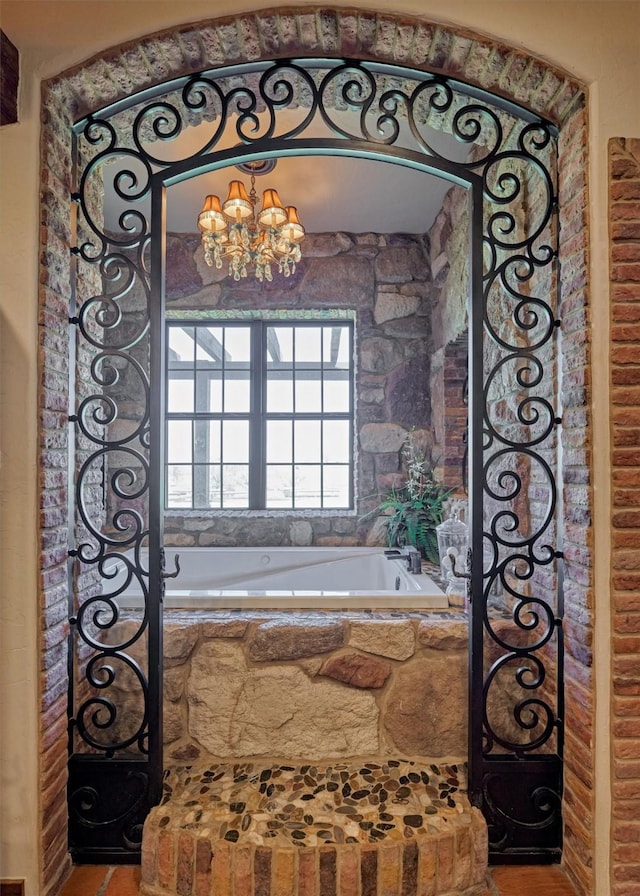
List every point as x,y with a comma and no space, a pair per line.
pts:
362,110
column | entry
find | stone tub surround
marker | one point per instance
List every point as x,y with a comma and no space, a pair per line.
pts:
309,685
390,827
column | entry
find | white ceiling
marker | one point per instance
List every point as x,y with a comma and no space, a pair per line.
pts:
330,193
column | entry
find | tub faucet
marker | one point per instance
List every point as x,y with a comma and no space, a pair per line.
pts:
414,561
409,553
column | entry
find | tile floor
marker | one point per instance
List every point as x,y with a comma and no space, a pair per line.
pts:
514,880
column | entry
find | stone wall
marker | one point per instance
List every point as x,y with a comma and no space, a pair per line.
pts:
449,255
315,685
386,280
304,685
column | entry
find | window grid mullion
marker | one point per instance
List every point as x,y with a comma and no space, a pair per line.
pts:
323,332
257,424
294,388
258,415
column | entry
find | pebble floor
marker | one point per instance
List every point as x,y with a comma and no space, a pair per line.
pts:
311,805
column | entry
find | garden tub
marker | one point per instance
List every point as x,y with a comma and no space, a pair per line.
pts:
290,577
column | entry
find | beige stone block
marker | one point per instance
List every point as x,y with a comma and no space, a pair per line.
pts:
184,864
389,869
173,683
301,533
307,878
354,274
392,305
166,858
179,641
149,859
226,628
173,722
391,638
379,355
443,634
480,844
239,711
427,867
462,867
444,876
283,868
203,867
319,245
348,869
396,264
382,438
311,666
221,869
242,856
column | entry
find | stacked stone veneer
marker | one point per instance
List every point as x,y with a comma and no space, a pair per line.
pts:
315,32
449,259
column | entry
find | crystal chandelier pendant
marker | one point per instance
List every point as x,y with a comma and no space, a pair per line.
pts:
251,241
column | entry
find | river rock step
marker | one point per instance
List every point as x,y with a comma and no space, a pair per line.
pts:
394,826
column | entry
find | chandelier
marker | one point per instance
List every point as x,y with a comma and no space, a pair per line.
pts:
234,231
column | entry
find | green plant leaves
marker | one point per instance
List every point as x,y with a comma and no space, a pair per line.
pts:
414,510
414,520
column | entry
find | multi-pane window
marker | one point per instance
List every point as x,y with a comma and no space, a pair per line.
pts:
259,415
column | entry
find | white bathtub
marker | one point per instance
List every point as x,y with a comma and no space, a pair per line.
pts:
293,578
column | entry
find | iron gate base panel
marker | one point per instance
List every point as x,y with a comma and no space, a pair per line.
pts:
109,800
521,801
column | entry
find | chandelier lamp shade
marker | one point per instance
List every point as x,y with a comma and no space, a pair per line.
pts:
233,230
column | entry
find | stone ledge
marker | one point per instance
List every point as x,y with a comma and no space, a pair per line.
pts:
343,829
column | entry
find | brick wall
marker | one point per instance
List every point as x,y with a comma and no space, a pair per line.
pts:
578,807
54,357
624,199
53,405
265,35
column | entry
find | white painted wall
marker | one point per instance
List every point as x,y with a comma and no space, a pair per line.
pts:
595,40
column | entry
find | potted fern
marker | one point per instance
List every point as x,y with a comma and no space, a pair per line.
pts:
414,509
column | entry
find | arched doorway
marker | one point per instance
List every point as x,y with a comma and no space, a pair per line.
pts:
363,110
268,34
